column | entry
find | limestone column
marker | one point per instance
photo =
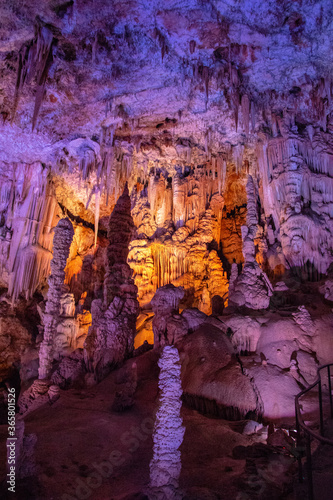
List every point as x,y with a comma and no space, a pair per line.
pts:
165,465
63,235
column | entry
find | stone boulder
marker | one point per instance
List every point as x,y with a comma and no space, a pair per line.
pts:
212,378
276,389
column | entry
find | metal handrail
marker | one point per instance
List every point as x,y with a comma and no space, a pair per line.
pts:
309,432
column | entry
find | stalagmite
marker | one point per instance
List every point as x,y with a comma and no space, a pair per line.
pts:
63,235
169,327
252,287
168,434
111,337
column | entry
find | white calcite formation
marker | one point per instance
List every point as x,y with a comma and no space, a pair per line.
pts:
252,287
165,465
297,194
28,215
110,339
69,329
63,235
277,391
168,325
275,353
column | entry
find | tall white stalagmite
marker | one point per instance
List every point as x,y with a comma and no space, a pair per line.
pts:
168,435
63,235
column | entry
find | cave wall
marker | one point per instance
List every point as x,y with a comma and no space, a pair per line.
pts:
183,102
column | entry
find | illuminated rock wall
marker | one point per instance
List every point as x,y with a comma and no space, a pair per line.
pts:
183,103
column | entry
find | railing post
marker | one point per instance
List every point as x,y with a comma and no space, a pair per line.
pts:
330,389
298,445
309,466
321,408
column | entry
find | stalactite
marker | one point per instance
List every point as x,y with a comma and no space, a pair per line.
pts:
206,77
221,173
235,106
35,59
245,104
162,41
213,168
253,116
88,162
280,151
310,131
29,219
238,152
178,201
169,262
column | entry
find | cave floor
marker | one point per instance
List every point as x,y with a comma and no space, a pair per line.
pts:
80,430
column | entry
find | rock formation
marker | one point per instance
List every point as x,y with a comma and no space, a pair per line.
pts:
168,434
212,378
70,372
111,337
28,215
71,328
215,121
63,235
252,287
180,256
187,174
168,325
